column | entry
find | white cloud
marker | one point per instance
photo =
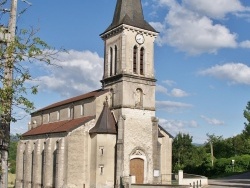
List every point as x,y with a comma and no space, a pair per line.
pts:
194,32
175,92
160,27
236,73
169,82
21,125
245,44
215,9
161,89
178,93
176,126
171,106
78,72
212,121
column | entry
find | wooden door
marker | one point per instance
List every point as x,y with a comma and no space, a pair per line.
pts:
137,170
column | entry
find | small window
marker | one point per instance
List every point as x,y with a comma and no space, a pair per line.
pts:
101,148
82,109
58,115
69,112
101,169
48,117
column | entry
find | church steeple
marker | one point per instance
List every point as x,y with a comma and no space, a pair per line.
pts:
129,12
129,58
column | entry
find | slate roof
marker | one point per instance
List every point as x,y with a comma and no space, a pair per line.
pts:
129,12
160,135
106,122
95,93
161,128
58,127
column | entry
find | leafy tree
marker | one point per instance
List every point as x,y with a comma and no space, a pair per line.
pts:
241,144
182,151
246,114
12,152
18,49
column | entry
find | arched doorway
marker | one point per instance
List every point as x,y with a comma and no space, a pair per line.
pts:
137,170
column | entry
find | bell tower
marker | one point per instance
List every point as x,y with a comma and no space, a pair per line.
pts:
129,57
129,74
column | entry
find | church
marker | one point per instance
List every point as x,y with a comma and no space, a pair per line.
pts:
109,137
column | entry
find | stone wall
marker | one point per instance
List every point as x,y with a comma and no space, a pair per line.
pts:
138,136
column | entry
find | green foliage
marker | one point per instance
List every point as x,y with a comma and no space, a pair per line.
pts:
16,56
12,152
224,165
197,160
26,48
246,114
182,151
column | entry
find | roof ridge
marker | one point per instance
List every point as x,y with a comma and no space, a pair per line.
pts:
59,126
90,94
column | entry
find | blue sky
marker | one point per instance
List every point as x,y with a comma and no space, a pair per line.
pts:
202,59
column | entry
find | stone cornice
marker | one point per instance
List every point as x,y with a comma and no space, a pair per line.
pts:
128,78
123,27
132,107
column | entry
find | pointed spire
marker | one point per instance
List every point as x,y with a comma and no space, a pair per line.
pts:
129,12
106,122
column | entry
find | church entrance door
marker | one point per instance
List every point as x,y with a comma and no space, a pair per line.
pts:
137,170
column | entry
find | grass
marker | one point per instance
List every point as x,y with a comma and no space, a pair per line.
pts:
11,180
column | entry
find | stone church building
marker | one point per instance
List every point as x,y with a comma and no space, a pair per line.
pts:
103,138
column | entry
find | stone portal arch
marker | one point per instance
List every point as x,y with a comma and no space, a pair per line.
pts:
138,166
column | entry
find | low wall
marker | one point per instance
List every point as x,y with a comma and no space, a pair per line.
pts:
159,186
194,181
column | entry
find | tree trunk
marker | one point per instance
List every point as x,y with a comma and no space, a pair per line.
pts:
7,85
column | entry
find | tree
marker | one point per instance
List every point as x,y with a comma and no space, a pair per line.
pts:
18,48
12,152
246,114
182,150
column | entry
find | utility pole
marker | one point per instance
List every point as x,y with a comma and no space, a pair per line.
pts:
212,152
7,86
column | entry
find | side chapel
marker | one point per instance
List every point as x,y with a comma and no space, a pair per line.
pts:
105,137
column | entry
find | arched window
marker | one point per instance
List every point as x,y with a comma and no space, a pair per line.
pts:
43,165
24,164
142,61
71,112
82,109
115,60
135,59
58,115
111,62
138,98
32,167
54,165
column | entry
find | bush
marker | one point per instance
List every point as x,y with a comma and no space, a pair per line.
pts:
224,165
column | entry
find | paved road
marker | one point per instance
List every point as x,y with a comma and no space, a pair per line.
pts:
237,181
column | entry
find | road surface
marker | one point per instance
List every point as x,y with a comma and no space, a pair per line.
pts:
238,181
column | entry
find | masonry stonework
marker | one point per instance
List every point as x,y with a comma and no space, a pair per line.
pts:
108,137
